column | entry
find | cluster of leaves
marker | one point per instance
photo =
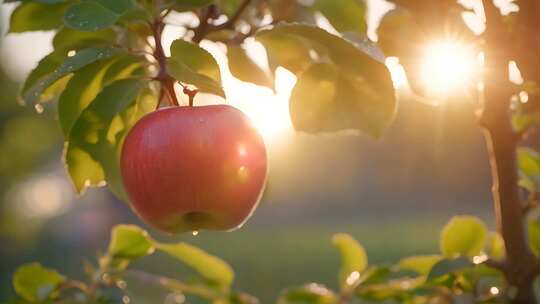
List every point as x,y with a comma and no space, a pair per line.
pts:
461,272
104,74
107,282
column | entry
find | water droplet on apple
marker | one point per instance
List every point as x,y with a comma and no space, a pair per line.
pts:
195,232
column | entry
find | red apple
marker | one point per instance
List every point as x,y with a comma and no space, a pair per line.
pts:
193,168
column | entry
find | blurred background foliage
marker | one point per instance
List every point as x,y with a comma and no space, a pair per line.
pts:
394,195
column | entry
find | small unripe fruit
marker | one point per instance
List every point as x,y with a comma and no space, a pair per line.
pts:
193,168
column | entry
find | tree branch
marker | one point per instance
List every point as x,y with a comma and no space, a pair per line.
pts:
205,27
167,82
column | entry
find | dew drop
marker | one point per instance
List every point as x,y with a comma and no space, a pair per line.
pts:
195,232
39,108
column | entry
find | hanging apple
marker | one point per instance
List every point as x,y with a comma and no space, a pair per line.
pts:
193,168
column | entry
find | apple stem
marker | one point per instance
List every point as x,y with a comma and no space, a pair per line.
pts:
190,93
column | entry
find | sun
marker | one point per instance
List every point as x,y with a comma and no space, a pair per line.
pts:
447,67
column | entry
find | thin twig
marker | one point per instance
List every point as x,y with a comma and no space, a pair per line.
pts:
205,27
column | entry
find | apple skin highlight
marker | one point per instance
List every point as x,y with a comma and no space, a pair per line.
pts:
194,168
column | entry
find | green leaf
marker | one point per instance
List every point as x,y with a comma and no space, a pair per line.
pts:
33,94
117,6
33,16
81,89
36,283
130,242
344,15
86,83
89,16
353,257
463,235
208,266
529,169
495,246
308,294
229,7
46,66
191,64
288,51
361,84
325,99
291,11
70,39
533,225
95,139
195,58
183,5
446,266
183,73
421,264
243,68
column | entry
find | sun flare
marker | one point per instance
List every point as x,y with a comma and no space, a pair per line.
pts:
447,67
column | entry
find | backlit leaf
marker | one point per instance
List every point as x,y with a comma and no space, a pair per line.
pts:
208,266
308,294
32,16
463,236
243,68
422,264
495,246
130,242
533,229
84,86
353,257
81,89
90,135
358,90
195,58
529,169
36,283
326,99
32,95
288,51
183,73
344,15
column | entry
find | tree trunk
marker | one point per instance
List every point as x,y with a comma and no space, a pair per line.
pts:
520,264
